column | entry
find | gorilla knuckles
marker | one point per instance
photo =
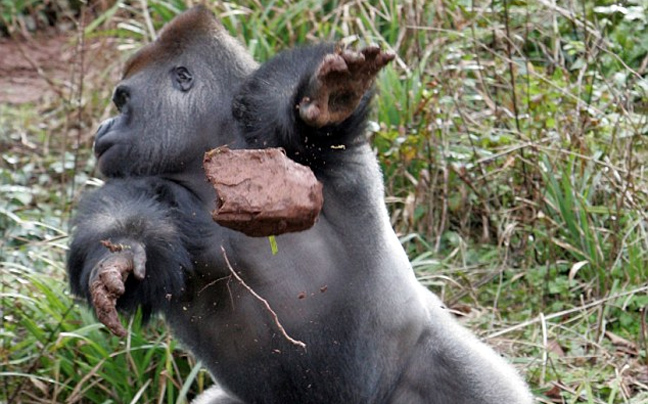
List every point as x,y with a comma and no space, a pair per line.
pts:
375,336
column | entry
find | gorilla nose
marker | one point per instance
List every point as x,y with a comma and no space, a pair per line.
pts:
103,128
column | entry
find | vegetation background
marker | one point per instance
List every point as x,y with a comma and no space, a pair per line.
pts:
513,140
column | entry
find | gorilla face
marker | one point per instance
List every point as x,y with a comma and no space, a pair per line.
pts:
162,124
174,102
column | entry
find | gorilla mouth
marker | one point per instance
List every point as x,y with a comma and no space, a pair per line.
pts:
100,148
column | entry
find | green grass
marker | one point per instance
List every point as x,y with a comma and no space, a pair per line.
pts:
512,136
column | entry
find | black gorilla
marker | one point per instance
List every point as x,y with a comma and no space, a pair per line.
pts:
344,287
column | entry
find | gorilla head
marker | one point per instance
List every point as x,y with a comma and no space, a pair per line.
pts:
173,100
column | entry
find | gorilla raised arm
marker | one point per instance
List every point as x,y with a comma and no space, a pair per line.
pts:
345,287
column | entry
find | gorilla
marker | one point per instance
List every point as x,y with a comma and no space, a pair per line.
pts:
345,287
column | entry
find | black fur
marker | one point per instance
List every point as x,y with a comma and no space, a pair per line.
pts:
151,209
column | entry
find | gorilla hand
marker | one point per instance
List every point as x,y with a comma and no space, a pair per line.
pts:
108,278
339,83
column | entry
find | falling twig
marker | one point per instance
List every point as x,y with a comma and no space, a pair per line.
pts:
113,247
212,283
264,301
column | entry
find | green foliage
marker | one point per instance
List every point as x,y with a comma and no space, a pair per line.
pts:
627,26
14,12
26,16
72,358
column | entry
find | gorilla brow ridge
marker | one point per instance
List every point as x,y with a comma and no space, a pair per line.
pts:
186,29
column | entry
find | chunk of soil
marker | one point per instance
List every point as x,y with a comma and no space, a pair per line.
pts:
262,192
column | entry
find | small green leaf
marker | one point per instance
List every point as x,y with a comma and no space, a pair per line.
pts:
273,245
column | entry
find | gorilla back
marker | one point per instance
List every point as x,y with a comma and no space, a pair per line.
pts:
344,287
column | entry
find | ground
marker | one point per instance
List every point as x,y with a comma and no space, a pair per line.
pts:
30,67
42,67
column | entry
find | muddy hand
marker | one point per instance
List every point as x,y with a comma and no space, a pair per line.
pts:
108,278
339,83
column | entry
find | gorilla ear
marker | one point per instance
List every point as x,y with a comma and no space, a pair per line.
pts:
182,78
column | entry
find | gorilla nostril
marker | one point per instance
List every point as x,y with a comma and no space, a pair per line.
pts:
99,146
121,96
105,127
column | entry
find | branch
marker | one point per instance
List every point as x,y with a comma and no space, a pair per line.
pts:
265,303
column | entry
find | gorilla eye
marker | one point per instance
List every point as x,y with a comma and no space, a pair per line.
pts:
121,96
182,78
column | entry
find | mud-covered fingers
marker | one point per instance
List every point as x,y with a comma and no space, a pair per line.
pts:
371,51
332,63
377,58
112,277
310,112
383,58
107,285
110,319
105,305
368,60
352,57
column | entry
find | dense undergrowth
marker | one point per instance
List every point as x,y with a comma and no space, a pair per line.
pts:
512,137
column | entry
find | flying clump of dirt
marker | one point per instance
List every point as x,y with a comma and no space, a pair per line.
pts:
262,192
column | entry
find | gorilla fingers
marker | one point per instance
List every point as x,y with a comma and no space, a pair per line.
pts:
108,278
129,249
339,83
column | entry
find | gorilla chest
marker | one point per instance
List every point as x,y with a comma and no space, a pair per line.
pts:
249,309
248,349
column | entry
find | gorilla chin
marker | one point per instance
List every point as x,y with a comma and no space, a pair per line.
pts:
106,154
